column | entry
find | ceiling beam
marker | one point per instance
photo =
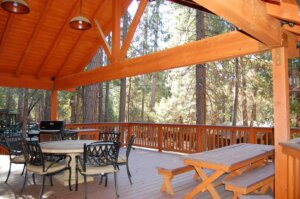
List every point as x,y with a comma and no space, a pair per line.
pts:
116,31
6,31
10,80
57,40
220,47
94,50
132,28
76,43
105,45
250,16
34,35
284,11
290,41
295,29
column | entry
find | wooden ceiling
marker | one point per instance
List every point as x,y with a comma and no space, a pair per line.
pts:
39,50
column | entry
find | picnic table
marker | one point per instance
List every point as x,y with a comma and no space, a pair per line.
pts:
231,160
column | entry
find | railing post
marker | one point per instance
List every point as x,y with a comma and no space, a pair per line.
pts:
252,136
130,132
199,136
159,139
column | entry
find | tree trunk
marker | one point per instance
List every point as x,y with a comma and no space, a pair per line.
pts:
122,105
253,113
25,113
20,105
73,108
106,103
101,96
153,91
244,102
236,91
9,99
90,111
47,115
143,98
200,75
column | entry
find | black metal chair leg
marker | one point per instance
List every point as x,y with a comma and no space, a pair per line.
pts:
42,188
128,173
8,174
100,182
85,187
51,182
25,178
70,173
33,178
23,170
76,185
116,185
106,180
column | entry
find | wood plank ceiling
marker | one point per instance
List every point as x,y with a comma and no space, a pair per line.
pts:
40,50
41,46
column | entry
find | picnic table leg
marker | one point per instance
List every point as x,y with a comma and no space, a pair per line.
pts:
166,186
205,184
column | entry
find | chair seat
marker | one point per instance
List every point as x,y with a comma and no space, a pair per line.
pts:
121,159
19,159
55,167
93,170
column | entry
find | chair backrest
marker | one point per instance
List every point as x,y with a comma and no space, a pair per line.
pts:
13,143
100,154
33,153
110,136
129,145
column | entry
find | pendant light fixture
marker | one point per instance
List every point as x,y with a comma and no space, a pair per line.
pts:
80,22
15,6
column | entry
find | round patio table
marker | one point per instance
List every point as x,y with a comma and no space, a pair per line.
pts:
72,148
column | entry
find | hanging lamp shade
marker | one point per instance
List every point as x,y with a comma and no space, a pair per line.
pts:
80,22
15,6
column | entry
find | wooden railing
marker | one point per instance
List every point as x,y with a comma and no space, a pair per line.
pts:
186,138
292,150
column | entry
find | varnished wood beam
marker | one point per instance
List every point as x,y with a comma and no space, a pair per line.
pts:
116,31
10,80
250,16
132,28
33,36
6,30
284,11
211,49
60,35
96,48
291,44
281,117
295,29
105,45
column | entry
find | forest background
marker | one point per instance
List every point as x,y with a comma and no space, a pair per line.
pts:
228,92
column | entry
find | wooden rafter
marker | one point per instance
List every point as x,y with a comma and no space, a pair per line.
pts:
295,29
63,65
116,32
9,22
105,45
211,49
33,36
291,44
284,11
10,80
132,28
250,16
54,45
94,50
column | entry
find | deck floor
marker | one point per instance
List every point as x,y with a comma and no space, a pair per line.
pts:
146,181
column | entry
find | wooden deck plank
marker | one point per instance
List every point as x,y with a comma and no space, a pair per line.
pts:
146,181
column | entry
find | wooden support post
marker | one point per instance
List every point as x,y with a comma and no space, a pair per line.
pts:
159,139
281,117
252,136
54,105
